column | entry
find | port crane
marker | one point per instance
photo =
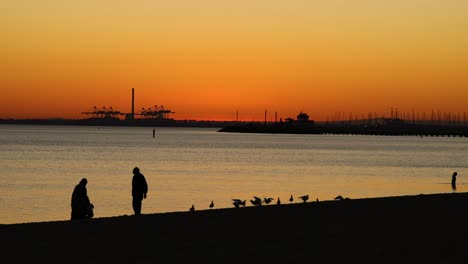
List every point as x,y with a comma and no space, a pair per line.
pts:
103,113
154,112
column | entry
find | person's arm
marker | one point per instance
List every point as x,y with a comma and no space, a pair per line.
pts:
145,187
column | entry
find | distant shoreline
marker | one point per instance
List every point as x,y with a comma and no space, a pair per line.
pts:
117,122
403,229
398,128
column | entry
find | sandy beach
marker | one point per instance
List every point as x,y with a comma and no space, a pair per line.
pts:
418,229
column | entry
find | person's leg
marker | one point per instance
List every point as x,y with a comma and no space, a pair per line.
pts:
138,206
77,213
136,203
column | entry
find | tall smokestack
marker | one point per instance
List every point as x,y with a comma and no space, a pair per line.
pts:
133,102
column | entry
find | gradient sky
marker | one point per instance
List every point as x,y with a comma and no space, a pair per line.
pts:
207,59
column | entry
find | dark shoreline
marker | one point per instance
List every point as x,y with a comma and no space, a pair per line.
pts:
400,129
117,122
395,128
405,229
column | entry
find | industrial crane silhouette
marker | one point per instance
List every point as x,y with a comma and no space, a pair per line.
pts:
103,112
155,113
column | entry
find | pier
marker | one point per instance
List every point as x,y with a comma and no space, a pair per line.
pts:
383,127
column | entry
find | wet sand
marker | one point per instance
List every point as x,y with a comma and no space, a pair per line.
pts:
405,229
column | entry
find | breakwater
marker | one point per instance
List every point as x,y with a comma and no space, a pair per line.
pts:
401,129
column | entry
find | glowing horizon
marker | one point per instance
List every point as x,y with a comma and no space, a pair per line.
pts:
210,60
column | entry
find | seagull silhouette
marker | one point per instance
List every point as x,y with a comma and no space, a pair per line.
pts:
238,202
278,201
257,201
267,200
291,199
339,197
211,204
304,198
192,208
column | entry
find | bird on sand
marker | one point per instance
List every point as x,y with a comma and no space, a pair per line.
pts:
257,201
192,208
291,199
238,202
267,200
211,204
278,202
304,198
339,197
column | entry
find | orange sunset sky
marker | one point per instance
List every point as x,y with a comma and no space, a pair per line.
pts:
207,59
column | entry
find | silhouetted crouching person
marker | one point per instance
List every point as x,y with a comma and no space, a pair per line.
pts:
139,190
81,206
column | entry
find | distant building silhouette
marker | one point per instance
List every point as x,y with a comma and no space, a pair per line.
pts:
303,117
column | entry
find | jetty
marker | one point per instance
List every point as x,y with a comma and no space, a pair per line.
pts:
377,127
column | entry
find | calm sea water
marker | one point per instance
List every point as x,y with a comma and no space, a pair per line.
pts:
40,165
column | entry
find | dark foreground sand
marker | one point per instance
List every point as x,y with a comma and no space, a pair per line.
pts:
407,229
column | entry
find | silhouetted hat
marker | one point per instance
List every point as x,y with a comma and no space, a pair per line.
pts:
136,170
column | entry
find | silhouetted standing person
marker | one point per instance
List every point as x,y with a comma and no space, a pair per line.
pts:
80,204
139,190
454,180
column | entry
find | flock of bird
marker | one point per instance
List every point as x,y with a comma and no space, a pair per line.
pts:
259,202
